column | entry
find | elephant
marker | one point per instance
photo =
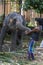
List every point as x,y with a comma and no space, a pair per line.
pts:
17,24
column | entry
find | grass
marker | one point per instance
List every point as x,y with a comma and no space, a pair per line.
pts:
16,60
19,57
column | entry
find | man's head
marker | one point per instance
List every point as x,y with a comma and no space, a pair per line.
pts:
39,20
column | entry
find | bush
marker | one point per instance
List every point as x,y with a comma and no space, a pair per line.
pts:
1,18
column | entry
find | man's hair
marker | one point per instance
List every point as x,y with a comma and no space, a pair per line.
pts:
39,20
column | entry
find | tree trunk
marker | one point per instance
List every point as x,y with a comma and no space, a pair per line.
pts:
20,2
4,8
40,14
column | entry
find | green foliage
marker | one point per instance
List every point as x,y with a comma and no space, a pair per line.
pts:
12,0
26,5
1,18
35,4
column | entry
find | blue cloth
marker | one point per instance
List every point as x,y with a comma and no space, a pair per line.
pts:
30,46
30,49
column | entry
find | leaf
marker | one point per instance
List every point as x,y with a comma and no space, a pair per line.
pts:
37,5
12,0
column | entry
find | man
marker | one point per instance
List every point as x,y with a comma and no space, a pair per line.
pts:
34,38
13,22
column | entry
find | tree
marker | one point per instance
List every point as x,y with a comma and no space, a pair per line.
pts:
34,4
4,8
19,3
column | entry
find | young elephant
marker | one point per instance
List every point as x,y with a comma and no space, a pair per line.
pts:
14,22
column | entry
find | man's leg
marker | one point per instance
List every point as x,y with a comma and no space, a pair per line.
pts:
30,48
29,55
32,56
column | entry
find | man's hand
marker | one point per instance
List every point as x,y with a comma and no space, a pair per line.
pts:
36,29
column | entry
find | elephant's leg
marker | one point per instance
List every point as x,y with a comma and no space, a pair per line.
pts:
19,39
13,40
2,36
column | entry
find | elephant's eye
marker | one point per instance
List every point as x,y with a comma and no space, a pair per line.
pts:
14,21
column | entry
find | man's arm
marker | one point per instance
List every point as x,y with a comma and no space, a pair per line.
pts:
33,30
